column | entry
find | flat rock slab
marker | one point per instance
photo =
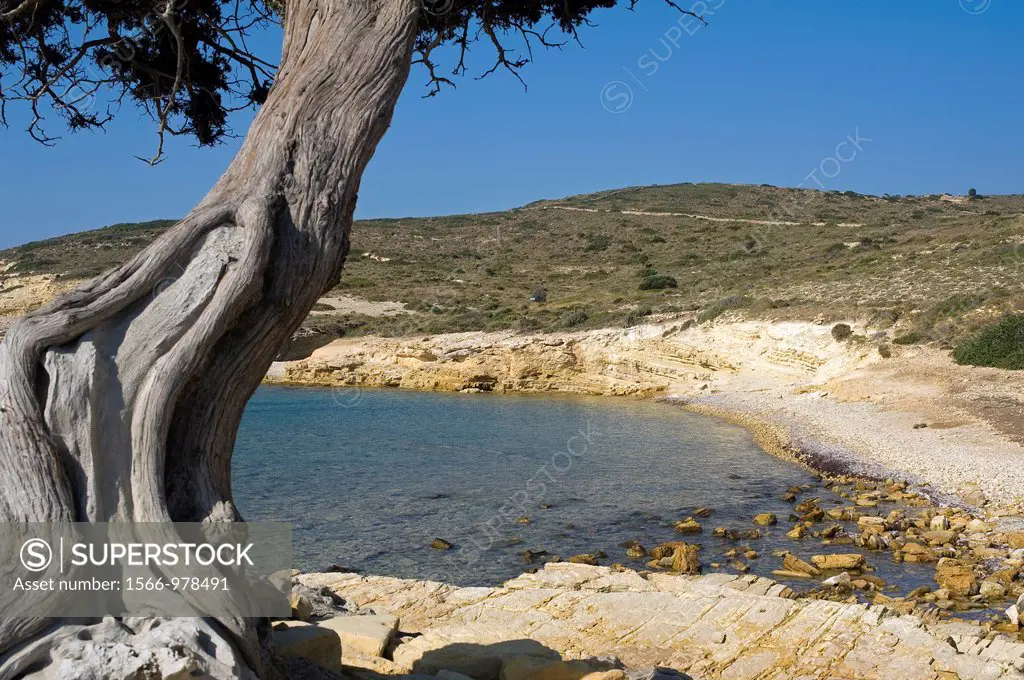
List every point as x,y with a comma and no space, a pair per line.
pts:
713,626
306,641
365,636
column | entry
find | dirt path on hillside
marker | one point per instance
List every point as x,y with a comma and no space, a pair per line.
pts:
706,218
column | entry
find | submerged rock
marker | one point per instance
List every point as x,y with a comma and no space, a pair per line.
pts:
636,552
793,563
956,577
853,561
685,559
689,526
915,552
842,579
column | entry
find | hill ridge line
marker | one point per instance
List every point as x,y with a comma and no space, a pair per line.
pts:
708,218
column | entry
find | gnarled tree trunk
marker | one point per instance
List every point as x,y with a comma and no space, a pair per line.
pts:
121,400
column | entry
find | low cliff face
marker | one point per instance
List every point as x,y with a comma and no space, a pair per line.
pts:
858,406
677,356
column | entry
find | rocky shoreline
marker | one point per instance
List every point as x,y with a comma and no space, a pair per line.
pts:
840,407
579,622
805,397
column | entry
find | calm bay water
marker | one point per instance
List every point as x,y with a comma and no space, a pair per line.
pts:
370,478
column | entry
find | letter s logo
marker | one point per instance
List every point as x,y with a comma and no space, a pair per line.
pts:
36,554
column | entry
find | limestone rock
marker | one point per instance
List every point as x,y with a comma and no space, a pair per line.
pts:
841,579
871,523
915,552
452,675
533,668
319,602
717,625
939,523
977,526
365,635
657,674
957,578
303,640
636,552
991,590
841,561
129,649
936,538
689,526
685,559
478,651
793,563
1015,540
766,519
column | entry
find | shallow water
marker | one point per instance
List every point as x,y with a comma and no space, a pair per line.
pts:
370,478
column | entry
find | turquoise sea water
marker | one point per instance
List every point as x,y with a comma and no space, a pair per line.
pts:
370,478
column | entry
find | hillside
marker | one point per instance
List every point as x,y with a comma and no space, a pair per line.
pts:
937,265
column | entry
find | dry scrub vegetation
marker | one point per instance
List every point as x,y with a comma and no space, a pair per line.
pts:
936,267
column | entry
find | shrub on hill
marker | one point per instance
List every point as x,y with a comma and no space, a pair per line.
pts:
1000,345
731,302
636,315
910,338
658,282
841,332
574,318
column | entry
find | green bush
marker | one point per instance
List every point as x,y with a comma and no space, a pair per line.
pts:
573,319
911,338
1000,345
731,302
841,332
635,315
884,318
597,243
658,282
525,324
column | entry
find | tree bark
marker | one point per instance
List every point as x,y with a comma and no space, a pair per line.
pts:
121,400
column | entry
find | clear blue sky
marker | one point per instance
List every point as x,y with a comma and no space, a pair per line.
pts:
763,95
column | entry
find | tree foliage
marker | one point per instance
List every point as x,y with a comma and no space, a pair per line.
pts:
1000,345
188,63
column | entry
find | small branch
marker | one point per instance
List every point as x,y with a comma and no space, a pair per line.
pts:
511,66
673,5
21,10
